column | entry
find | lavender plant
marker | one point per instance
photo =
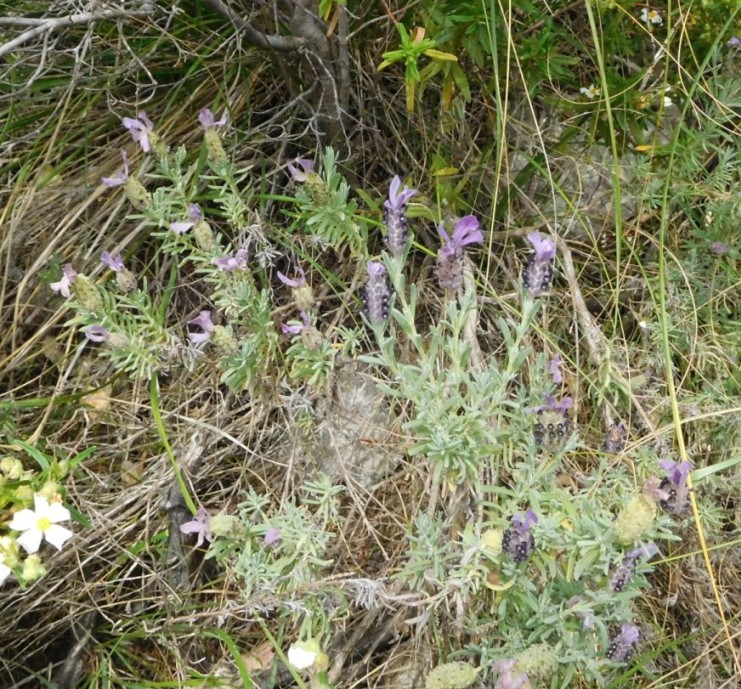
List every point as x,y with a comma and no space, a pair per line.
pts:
323,205
129,320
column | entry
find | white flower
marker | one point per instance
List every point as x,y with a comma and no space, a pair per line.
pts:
668,101
301,657
591,92
651,17
40,522
4,570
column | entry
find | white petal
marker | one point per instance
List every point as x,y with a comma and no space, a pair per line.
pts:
23,520
4,573
301,659
57,535
57,513
40,504
30,540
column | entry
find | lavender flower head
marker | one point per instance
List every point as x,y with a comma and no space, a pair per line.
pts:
450,256
627,567
307,166
376,293
120,177
140,129
518,541
230,262
394,215
553,427
203,321
621,645
63,286
201,525
674,484
539,269
509,677
208,121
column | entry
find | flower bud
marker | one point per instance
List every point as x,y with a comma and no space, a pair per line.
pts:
204,235
87,294
214,146
455,675
9,549
33,568
126,281
538,662
12,467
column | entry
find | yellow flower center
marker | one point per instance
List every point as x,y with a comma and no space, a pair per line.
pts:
43,524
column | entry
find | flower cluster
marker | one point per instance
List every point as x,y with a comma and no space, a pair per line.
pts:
376,293
394,215
449,269
539,269
625,571
518,541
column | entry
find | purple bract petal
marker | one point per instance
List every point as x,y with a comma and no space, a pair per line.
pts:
398,199
139,129
545,249
293,282
208,121
554,368
68,277
120,177
229,263
115,263
181,227
96,333
676,473
299,175
202,320
194,212
524,521
467,231
201,525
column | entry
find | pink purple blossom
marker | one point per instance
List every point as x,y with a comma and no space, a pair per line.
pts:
120,177
306,166
208,121
201,525
96,333
203,321
229,263
63,286
139,128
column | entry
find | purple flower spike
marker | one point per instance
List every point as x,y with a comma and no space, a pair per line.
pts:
621,646
394,216
376,293
203,320
115,263
509,677
450,256
120,177
674,485
301,175
230,263
518,541
200,524
539,269
208,121
68,277
139,129
96,333
627,568
295,283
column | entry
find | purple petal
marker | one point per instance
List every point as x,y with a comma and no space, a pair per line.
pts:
181,227
467,231
375,269
298,175
524,521
443,234
397,199
294,329
734,42
554,368
206,118
545,249
147,122
272,536
139,129
647,551
115,263
677,473
68,277
194,212
203,320
96,333
293,282
629,633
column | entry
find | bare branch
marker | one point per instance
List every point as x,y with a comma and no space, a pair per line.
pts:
284,44
46,26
